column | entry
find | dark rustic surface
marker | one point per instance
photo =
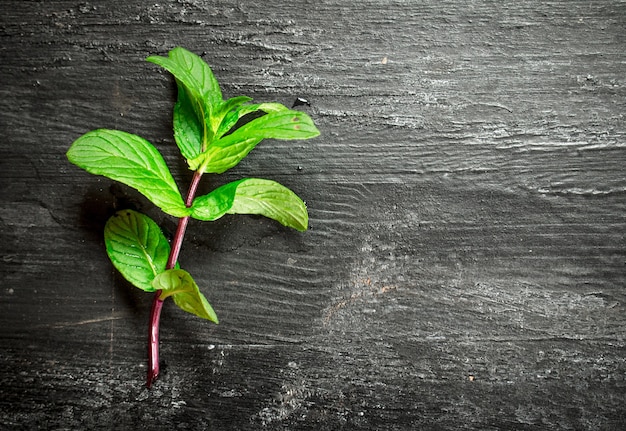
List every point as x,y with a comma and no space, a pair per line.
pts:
466,262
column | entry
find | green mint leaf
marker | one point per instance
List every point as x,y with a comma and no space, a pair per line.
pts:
228,151
225,154
214,205
136,247
253,196
282,124
179,284
226,113
193,72
234,115
189,129
188,126
203,92
131,160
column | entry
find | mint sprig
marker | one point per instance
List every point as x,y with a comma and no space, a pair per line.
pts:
205,132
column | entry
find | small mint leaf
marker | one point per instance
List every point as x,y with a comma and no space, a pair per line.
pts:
194,73
253,196
283,124
131,160
179,284
234,115
225,113
214,205
188,125
136,247
228,151
199,99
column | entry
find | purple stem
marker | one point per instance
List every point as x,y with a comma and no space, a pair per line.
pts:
157,303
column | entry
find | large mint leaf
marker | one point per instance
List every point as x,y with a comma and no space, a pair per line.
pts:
131,160
253,196
137,247
179,284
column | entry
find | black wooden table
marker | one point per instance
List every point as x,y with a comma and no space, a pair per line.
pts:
465,266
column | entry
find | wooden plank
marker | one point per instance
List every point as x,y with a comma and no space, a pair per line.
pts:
465,266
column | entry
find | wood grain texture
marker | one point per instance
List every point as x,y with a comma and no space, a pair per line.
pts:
466,262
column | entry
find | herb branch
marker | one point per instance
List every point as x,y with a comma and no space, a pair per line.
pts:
206,133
